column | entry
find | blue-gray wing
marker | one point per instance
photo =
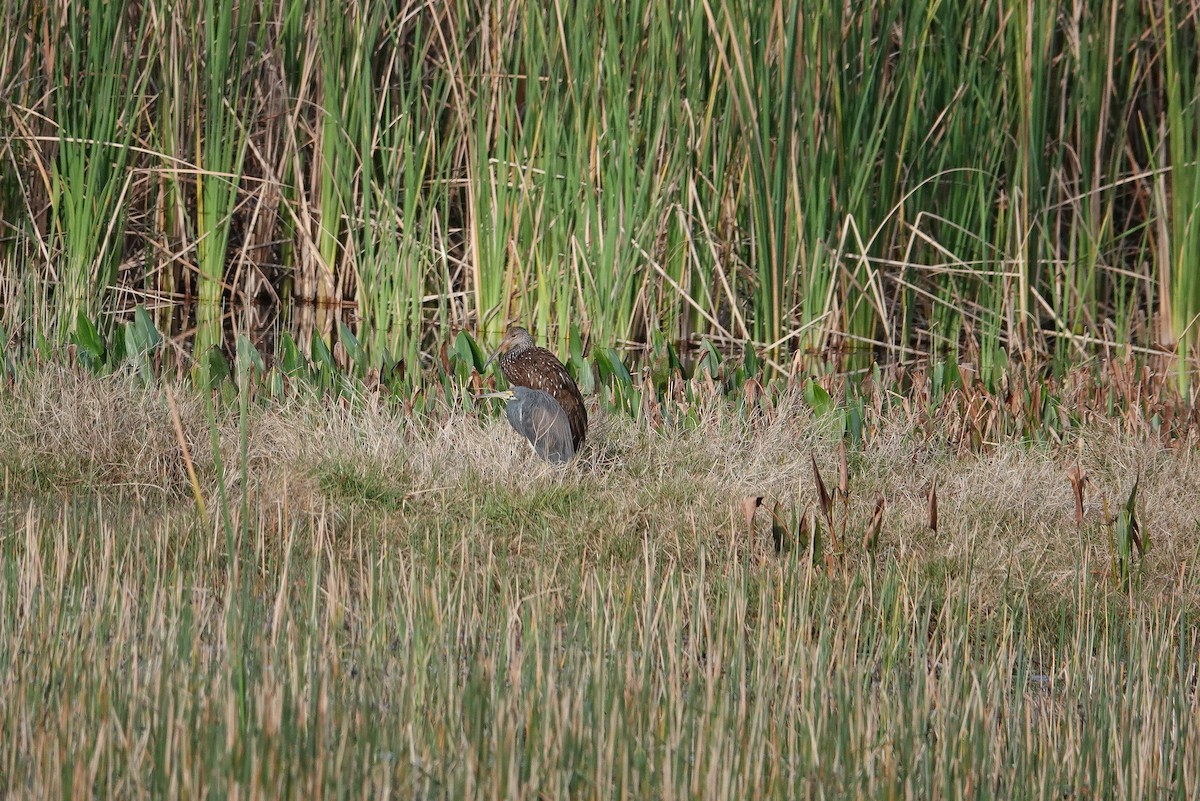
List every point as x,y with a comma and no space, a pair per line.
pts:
538,417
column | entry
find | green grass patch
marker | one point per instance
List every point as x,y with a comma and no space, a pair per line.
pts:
364,485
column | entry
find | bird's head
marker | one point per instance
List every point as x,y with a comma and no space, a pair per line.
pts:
516,339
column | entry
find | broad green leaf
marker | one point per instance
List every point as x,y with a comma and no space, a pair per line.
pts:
817,398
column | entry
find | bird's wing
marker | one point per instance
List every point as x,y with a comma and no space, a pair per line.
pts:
539,369
537,416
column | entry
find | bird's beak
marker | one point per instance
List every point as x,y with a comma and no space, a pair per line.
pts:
491,358
506,394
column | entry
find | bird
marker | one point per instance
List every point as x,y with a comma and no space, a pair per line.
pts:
538,417
524,365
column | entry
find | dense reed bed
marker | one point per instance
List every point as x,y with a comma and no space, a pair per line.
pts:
817,180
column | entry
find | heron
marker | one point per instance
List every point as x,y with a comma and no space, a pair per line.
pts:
528,367
538,417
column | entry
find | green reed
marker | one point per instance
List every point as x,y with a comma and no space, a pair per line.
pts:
224,40
816,181
93,96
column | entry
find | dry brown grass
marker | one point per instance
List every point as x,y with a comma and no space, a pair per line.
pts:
1011,508
426,591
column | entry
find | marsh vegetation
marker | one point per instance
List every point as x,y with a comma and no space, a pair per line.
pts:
884,315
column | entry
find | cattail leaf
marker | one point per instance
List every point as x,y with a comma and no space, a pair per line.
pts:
803,533
779,530
1131,522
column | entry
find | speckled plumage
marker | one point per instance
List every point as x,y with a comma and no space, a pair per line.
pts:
526,365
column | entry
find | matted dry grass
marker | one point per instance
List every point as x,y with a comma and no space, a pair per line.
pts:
1011,507
420,608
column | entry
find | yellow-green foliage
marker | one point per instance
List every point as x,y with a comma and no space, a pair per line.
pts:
818,178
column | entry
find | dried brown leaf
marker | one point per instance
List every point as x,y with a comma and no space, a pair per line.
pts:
823,497
749,505
751,391
1078,478
931,507
843,471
